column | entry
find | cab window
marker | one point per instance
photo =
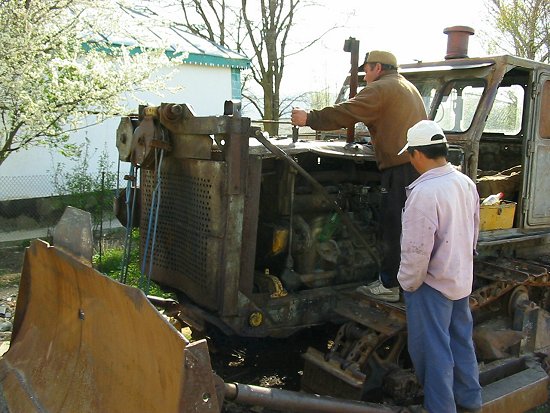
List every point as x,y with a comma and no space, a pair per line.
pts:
458,103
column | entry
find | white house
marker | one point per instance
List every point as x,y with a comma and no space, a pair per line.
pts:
206,77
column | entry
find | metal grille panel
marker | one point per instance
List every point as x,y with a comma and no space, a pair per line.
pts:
190,228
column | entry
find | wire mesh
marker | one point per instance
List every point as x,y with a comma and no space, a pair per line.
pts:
30,206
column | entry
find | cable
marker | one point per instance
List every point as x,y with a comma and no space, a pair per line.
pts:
130,209
153,211
155,226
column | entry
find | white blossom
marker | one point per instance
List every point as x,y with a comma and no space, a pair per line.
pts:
57,67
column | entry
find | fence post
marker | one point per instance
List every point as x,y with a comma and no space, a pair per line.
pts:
101,206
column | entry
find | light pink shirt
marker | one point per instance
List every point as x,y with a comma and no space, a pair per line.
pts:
440,230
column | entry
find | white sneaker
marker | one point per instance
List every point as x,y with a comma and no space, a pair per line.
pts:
377,290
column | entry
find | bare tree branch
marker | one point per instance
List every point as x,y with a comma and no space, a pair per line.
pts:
523,27
261,30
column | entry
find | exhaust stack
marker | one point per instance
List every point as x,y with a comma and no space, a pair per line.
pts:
457,41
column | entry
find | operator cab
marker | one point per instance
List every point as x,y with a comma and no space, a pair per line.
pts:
496,115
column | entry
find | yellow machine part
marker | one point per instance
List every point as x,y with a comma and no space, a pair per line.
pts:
85,343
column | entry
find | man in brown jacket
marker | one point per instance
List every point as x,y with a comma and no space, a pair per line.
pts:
389,105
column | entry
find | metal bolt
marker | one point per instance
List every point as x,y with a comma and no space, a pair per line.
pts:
255,319
176,110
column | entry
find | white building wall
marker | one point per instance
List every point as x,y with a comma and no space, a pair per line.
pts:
26,174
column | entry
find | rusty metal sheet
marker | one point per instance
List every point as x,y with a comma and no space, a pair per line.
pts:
191,233
383,317
85,343
515,386
495,338
199,393
538,203
250,224
328,377
73,233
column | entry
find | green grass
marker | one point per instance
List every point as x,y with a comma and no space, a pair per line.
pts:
111,262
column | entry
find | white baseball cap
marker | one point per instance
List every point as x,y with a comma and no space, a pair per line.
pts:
424,133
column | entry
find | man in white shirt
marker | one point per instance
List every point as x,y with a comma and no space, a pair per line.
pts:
440,229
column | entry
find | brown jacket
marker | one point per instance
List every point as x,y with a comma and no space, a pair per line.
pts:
388,106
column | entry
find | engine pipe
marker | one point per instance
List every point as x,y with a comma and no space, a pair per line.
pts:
278,399
351,45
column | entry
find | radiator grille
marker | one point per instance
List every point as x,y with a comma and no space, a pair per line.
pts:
188,240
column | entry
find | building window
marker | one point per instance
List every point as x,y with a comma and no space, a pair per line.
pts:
235,83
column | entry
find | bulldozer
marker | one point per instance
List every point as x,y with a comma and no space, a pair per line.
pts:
261,236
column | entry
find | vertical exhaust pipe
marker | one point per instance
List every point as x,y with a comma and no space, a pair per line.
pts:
457,41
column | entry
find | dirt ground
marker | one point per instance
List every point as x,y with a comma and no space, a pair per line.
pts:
11,260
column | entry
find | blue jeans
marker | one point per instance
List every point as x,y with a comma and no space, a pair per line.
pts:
442,350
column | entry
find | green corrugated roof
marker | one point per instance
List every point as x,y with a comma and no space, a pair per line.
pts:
179,43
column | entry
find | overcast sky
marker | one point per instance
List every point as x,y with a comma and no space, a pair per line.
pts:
410,29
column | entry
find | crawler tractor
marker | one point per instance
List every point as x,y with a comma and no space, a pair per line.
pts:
263,236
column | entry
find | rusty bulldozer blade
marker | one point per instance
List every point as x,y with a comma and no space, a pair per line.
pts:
85,343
